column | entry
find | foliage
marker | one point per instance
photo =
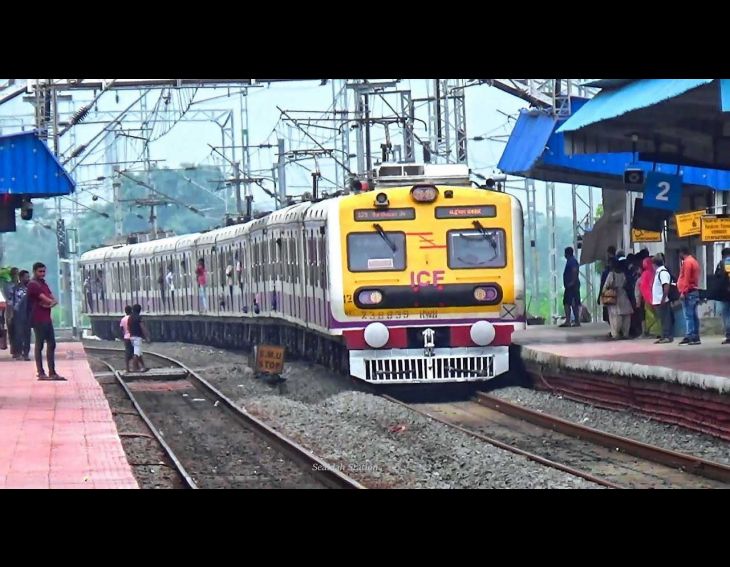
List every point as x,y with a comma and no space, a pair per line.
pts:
175,216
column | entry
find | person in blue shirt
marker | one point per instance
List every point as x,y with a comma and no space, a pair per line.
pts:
571,284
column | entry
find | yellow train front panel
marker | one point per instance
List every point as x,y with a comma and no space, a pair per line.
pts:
447,259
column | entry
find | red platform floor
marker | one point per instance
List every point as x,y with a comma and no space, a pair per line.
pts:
58,434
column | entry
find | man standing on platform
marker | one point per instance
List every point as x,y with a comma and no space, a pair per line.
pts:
688,287
41,303
571,283
660,299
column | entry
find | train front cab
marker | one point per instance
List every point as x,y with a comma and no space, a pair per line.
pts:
431,291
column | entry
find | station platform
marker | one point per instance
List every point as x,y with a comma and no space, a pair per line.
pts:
58,434
686,385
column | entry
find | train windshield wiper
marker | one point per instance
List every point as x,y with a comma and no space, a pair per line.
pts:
384,236
486,235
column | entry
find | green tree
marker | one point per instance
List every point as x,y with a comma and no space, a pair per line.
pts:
192,209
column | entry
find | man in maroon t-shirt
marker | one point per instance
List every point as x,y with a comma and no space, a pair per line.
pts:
41,301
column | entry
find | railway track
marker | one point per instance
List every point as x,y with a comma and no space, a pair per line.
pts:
608,460
212,442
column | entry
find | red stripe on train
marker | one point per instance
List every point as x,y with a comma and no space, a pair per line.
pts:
459,337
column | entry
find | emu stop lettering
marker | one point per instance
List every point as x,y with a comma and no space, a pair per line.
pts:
270,359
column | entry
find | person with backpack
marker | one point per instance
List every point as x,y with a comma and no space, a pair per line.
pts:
688,287
660,299
719,290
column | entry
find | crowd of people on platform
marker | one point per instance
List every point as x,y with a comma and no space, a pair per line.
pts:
638,294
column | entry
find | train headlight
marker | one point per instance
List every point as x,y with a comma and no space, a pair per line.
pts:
376,335
370,297
482,333
424,193
381,200
485,293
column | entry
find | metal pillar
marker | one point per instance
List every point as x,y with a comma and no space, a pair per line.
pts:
532,237
246,150
555,309
345,136
408,112
460,124
237,183
282,173
117,192
360,138
581,224
628,215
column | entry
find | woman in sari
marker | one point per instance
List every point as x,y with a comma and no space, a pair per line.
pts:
644,296
615,296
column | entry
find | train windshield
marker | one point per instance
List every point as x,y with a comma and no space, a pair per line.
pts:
481,248
376,251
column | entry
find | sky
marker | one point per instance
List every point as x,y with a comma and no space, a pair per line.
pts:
489,112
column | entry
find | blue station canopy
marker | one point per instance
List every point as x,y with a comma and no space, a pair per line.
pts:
678,121
536,149
29,169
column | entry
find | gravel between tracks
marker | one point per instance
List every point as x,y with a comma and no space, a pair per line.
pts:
624,423
373,440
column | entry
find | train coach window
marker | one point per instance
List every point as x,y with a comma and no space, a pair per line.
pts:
371,252
469,249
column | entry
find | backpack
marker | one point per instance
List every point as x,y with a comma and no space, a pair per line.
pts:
673,294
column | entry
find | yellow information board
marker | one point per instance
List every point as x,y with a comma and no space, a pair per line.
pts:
689,224
270,359
638,235
715,229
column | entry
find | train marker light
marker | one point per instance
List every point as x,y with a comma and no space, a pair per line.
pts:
370,297
424,193
487,293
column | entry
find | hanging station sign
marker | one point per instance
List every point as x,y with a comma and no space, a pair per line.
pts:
639,235
689,224
715,228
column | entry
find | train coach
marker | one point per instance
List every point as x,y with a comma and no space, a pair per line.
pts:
419,280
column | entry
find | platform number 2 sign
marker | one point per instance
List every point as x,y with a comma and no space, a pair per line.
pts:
663,191
664,188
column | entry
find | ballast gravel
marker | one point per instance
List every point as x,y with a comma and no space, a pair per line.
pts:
624,423
377,442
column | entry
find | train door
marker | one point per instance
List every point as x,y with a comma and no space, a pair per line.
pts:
310,260
323,274
291,279
185,277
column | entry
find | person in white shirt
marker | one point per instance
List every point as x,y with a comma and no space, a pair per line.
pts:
170,280
660,299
